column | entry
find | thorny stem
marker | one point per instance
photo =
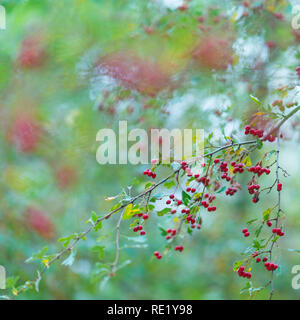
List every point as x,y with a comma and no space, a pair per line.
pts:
278,214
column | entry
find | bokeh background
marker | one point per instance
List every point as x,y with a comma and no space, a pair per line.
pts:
69,68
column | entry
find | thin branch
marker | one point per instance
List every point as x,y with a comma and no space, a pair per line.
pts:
115,264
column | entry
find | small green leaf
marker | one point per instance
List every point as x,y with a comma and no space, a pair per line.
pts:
185,198
256,100
163,211
169,184
222,189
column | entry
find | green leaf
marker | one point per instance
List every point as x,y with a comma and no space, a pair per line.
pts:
99,250
251,221
237,264
259,144
222,189
185,198
256,100
163,231
258,231
38,256
163,211
128,212
169,184
266,214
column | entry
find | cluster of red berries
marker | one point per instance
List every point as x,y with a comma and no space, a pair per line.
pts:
192,190
231,191
171,233
172,197
179,248
258,133
254,132
150,173
190,219
253,187
204,180
278,231
259,170
237,167
279,187
157,255
298,71
139,228
271,266
145,216
246,232
241,272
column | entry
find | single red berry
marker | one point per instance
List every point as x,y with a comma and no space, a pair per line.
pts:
156,253
258,260
269,223
145,216
171,196
216,161
179,202
142,233
193,190
279,186
168,201
247,234
245,230
265,259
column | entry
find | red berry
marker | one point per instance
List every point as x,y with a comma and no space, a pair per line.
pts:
245,230
247,234
168,201
269,224
142,233
258,260
156,253
145,216
171,196
279,186
216,161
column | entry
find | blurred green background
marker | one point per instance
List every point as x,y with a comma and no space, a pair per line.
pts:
69,68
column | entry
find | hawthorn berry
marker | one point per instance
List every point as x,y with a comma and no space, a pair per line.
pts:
145,216
269,223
